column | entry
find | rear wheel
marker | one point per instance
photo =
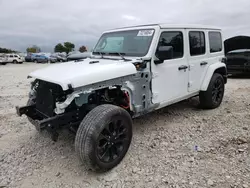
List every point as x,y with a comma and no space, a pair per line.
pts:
212,98
103,137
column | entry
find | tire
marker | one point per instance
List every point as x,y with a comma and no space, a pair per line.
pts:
15,61
106,131
3,63
212,98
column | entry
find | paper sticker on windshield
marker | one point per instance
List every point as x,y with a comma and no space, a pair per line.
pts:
146,33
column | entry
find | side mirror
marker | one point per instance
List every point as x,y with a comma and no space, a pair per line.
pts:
164,53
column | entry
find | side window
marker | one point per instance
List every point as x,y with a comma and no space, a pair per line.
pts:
15,56
174,40
11,55
215,41
197,43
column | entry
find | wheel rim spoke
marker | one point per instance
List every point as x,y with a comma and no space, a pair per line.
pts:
214,97
120,140
111,154
105,154
103,137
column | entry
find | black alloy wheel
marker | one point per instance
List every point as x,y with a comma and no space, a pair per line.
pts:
112,140
217,91
103,137
213,96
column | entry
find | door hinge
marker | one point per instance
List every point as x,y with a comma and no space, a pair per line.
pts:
189,84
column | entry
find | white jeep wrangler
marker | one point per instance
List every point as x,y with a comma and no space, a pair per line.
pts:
132,71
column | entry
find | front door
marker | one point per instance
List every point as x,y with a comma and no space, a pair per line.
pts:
170,78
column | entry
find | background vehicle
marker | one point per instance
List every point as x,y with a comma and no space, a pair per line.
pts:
238,61
78,56
132,71
14,58
40,58
3,59
52,59
59,58
28,57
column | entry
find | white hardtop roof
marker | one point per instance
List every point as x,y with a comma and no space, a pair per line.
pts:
171,26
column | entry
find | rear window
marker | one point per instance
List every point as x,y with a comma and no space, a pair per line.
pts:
215,41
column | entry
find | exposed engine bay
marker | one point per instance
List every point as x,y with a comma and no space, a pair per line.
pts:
55,95
45,96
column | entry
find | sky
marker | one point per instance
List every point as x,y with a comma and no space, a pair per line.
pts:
45,23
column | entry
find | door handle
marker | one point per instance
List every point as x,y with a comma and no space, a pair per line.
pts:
183,67
203,63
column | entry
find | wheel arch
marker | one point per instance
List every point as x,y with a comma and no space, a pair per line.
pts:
214,68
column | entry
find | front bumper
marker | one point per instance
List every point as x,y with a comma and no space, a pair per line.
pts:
34,116
52,124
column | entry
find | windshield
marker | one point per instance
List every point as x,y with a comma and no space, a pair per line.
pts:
129,43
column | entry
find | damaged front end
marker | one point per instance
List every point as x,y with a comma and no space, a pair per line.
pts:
51,108
41,106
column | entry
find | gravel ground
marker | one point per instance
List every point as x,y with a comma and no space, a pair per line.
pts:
178,146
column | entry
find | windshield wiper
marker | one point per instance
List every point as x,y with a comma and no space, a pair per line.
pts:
120,54
100,53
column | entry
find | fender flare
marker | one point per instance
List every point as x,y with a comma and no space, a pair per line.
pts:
210,71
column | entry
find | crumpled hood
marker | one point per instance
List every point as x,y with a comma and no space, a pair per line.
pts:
84,72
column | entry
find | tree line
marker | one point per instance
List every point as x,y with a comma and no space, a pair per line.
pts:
65,47
5,50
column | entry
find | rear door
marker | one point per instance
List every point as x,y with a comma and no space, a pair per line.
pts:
170,78
197,58
205,48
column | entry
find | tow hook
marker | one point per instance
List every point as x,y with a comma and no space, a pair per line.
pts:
54,134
